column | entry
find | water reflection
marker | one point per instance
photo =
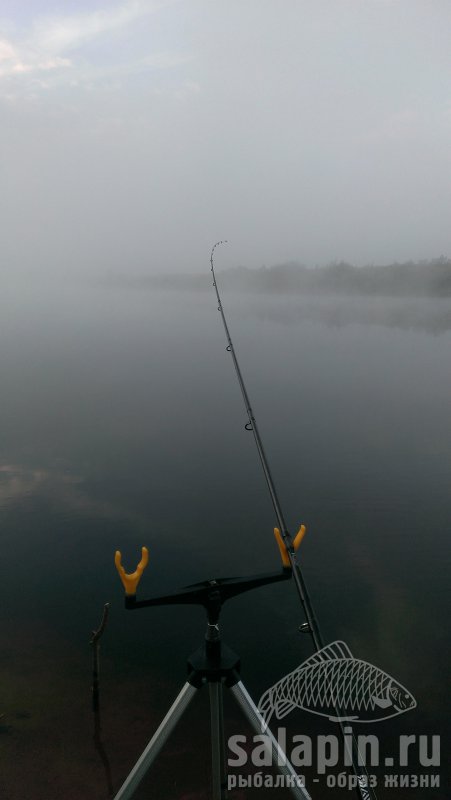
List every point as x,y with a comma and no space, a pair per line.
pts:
64,492
123,427
97,737
429,316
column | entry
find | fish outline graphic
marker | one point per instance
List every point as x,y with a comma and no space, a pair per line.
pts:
331,681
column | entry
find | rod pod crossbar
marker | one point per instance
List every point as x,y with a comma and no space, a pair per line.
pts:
213,664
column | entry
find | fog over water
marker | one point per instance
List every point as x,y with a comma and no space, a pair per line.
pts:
134,134
123,425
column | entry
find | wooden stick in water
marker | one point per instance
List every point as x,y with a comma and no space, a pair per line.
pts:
96,634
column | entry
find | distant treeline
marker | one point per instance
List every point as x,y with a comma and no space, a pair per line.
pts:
415,279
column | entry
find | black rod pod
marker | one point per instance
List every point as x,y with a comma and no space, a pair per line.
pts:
213,660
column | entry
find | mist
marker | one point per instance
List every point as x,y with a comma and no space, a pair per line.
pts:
136,134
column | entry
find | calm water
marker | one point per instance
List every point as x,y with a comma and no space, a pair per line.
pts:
123,425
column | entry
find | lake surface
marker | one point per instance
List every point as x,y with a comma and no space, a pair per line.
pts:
123,426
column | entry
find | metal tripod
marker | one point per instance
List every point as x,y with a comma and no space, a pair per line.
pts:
217,665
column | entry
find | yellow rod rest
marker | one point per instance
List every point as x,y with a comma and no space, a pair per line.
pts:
130,581
282,546
283,550
299,537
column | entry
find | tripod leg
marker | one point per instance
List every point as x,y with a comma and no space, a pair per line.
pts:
223,750
258,724
156,743
217,742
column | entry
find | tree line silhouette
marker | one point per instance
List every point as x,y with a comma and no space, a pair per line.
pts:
426,278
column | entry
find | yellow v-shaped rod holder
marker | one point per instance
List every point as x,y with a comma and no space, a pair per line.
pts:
283,548
130,581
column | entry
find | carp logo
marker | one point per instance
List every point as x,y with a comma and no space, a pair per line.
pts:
334,684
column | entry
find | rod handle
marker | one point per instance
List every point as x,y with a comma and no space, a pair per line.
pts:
130,580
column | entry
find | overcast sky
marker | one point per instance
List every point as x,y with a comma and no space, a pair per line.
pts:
135,134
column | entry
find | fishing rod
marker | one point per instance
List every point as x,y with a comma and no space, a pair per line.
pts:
313,627
363,788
